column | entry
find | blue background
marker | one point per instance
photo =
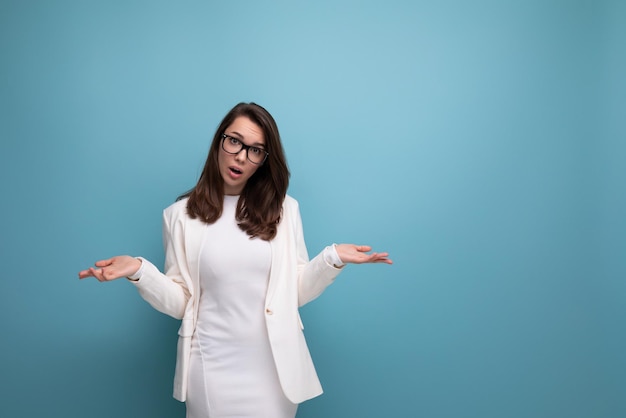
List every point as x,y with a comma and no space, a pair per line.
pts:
482,143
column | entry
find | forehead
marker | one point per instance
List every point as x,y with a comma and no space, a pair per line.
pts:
244,128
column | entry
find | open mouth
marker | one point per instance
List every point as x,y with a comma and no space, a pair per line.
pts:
235,170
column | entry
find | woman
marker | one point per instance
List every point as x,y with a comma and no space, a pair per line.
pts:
236,272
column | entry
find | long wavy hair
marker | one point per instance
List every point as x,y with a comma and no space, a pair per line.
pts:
260,204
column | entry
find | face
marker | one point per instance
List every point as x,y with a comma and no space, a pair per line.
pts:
236,169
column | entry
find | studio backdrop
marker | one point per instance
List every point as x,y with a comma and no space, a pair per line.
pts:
481,143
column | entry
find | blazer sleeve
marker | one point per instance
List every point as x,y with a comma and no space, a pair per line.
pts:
167,293
314,275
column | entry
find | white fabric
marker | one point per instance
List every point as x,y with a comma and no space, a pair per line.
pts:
232,371
332,257
137,275
294,281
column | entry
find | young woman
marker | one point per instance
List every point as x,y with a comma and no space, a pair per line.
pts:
236,272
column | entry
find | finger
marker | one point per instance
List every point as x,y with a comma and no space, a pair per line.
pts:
84,274
101,274
379,258
383,260
104,263
108,274
363,248
91,272
95,273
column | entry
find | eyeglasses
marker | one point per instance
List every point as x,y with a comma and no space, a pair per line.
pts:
254,154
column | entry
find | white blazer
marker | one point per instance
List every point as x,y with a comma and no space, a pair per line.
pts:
293,281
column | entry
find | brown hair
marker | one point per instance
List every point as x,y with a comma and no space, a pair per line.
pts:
260,204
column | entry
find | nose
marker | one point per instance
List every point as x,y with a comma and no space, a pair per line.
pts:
241,155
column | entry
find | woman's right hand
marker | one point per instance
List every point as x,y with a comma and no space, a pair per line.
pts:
112,268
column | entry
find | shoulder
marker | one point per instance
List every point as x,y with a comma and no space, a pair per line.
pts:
176,209
290,205
290,202
291,212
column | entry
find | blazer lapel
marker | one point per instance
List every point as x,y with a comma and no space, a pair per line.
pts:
280,253
194,236
275,245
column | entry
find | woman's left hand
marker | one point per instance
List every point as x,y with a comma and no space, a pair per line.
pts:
358,254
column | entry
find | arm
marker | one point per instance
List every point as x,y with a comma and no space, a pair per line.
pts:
315,275
167,293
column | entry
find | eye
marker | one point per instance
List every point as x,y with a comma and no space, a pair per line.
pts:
233,141
256,151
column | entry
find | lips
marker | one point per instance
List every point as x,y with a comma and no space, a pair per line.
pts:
235,171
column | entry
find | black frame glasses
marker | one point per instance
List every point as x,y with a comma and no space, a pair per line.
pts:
245,147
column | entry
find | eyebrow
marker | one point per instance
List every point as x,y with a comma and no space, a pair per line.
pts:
239,136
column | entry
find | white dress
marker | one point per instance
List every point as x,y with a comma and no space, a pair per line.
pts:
232,371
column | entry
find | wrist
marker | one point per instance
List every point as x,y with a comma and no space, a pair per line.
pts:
138,272
331,256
